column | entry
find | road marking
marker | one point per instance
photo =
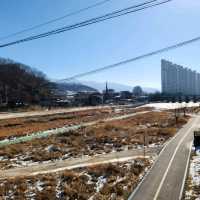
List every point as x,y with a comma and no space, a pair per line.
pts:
151,168
186,170
171,160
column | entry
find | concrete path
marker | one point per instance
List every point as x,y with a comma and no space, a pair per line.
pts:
50,167
11,115
166,179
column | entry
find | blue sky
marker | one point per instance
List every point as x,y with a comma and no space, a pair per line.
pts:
105,43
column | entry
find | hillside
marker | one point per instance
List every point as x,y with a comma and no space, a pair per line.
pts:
21,84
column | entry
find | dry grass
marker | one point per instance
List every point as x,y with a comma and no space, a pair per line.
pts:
80,184
192,187
104,137
23,126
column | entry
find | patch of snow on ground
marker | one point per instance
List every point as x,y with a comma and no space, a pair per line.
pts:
119,180
195,170
100,183
10,194
39,185
194,181
59,191
165,106
30,192
89,182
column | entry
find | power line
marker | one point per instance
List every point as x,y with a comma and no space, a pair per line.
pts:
87,22
118,13
175,46
54,20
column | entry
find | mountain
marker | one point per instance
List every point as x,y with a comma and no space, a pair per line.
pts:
116,86
74,87
21,84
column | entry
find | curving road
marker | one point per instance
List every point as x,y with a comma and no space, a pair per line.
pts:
166,179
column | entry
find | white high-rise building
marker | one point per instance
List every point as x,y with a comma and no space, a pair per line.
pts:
176,79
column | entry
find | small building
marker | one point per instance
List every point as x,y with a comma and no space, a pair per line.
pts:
95,99
88,99
126,95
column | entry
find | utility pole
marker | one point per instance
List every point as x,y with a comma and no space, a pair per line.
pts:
175,115
144,137
145,140
184,109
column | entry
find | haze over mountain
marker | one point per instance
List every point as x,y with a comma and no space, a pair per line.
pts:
71,86
100,86
74,87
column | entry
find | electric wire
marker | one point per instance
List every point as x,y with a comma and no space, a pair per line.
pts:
165,49
108,16
53,20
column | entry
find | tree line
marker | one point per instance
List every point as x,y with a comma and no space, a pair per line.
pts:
21,84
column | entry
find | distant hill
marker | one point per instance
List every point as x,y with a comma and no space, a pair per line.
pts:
116,86
74,87
21,84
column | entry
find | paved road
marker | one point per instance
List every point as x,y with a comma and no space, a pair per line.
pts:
50,167
166,179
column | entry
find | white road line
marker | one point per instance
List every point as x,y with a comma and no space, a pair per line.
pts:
171,160
186,170
165,146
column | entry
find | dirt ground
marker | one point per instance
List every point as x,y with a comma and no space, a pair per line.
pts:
101,182
102,138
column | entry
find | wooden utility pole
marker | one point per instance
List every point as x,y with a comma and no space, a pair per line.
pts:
175,115
145,140
144,137
184,109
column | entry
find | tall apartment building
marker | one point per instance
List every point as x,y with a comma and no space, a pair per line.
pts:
176,79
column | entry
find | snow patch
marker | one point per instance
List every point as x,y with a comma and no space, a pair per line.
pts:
100,183
165,106
39,185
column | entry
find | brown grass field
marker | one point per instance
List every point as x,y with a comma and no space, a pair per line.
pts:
23,126
101,138
102,182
